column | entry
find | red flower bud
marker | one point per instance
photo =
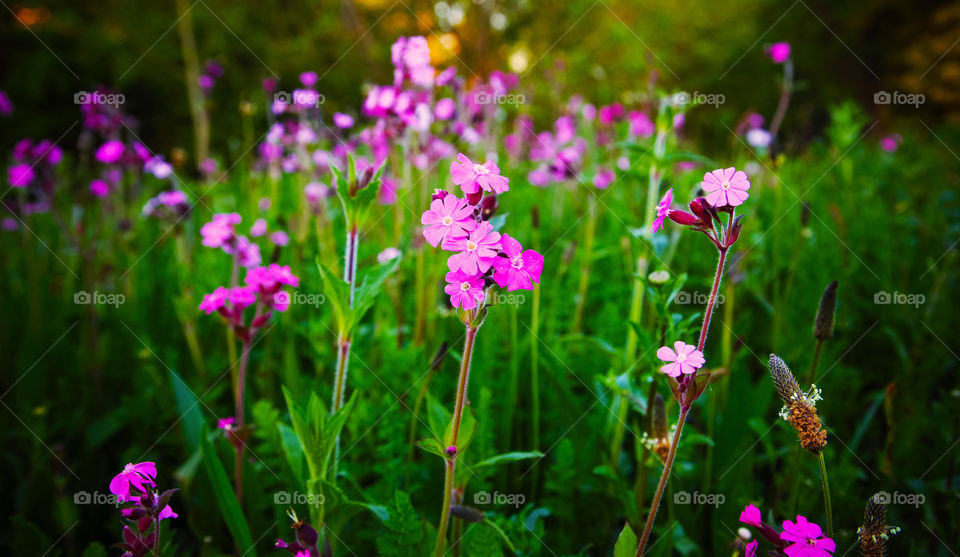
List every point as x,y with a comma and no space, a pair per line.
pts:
683,218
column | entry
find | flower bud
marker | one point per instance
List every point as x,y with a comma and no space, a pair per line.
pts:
306,535
683,218
823,325
488,207
467,514
439,194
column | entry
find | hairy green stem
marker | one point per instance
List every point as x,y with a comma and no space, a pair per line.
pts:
828,507
452,460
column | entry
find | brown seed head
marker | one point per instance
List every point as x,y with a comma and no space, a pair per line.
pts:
799,409
823,326
874,533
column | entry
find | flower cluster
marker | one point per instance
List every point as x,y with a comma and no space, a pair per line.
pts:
797,539
725,190
221,233
134,486
167,205
263,287
460,225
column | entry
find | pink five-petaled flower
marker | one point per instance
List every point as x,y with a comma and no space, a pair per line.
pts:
138,476
471,177
726,187
520,269
684,358
465,291
751,516
663,208
806,538
448,217
477,251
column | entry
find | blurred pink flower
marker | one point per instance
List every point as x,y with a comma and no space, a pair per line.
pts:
684,358
806,538
448,217
779,52
476,251
308,79
726,187
663,208
220,230
891,142
259,228
444,109
604,178
225,423
472,177
640,124
215,300
6,107
99,188
342,121
751,549
279,238
20,175
465,290
520,269
110,152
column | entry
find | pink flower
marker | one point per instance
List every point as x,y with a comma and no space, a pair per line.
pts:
280,238
269,279
779,52
751,516
687,359
477,251
242,296
215,300
20,175
520,269
604,178
309,79
806,538
539,177
465,290
99,188
726,187
137,476
751,549
342,121
891,142
471,177
110,152
444,109
663,208
447,218
640,124
225,423
259,228
220,230
167,512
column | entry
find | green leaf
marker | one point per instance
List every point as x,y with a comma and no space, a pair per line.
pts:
226,499
338,292
468,429
189,409
437,416
293,451
404,536
482,541
433,446
369,286
627,543
508,457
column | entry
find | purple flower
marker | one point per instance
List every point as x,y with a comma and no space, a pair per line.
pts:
342,121
604,178
21,175
137,476
663,209
110,152
806,538
99,188
520,269
309,79
779,52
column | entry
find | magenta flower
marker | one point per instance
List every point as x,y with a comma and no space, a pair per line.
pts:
279,238
726,187
751,516
685,359
663,209
751,549
225,423
220,230
259,228
309,79
477,251
99,188
242,296
137,476
520,269
779,52
465,290
472,177
269,279
215,300
20,175
447,218
806,538
110,152
342,121
604,178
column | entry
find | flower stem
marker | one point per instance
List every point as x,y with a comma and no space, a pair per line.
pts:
816,359
156,536
238,410
828,507
667,467
589,233
685,405
457,415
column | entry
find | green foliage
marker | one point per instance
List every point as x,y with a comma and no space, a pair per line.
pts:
226,499
404,530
